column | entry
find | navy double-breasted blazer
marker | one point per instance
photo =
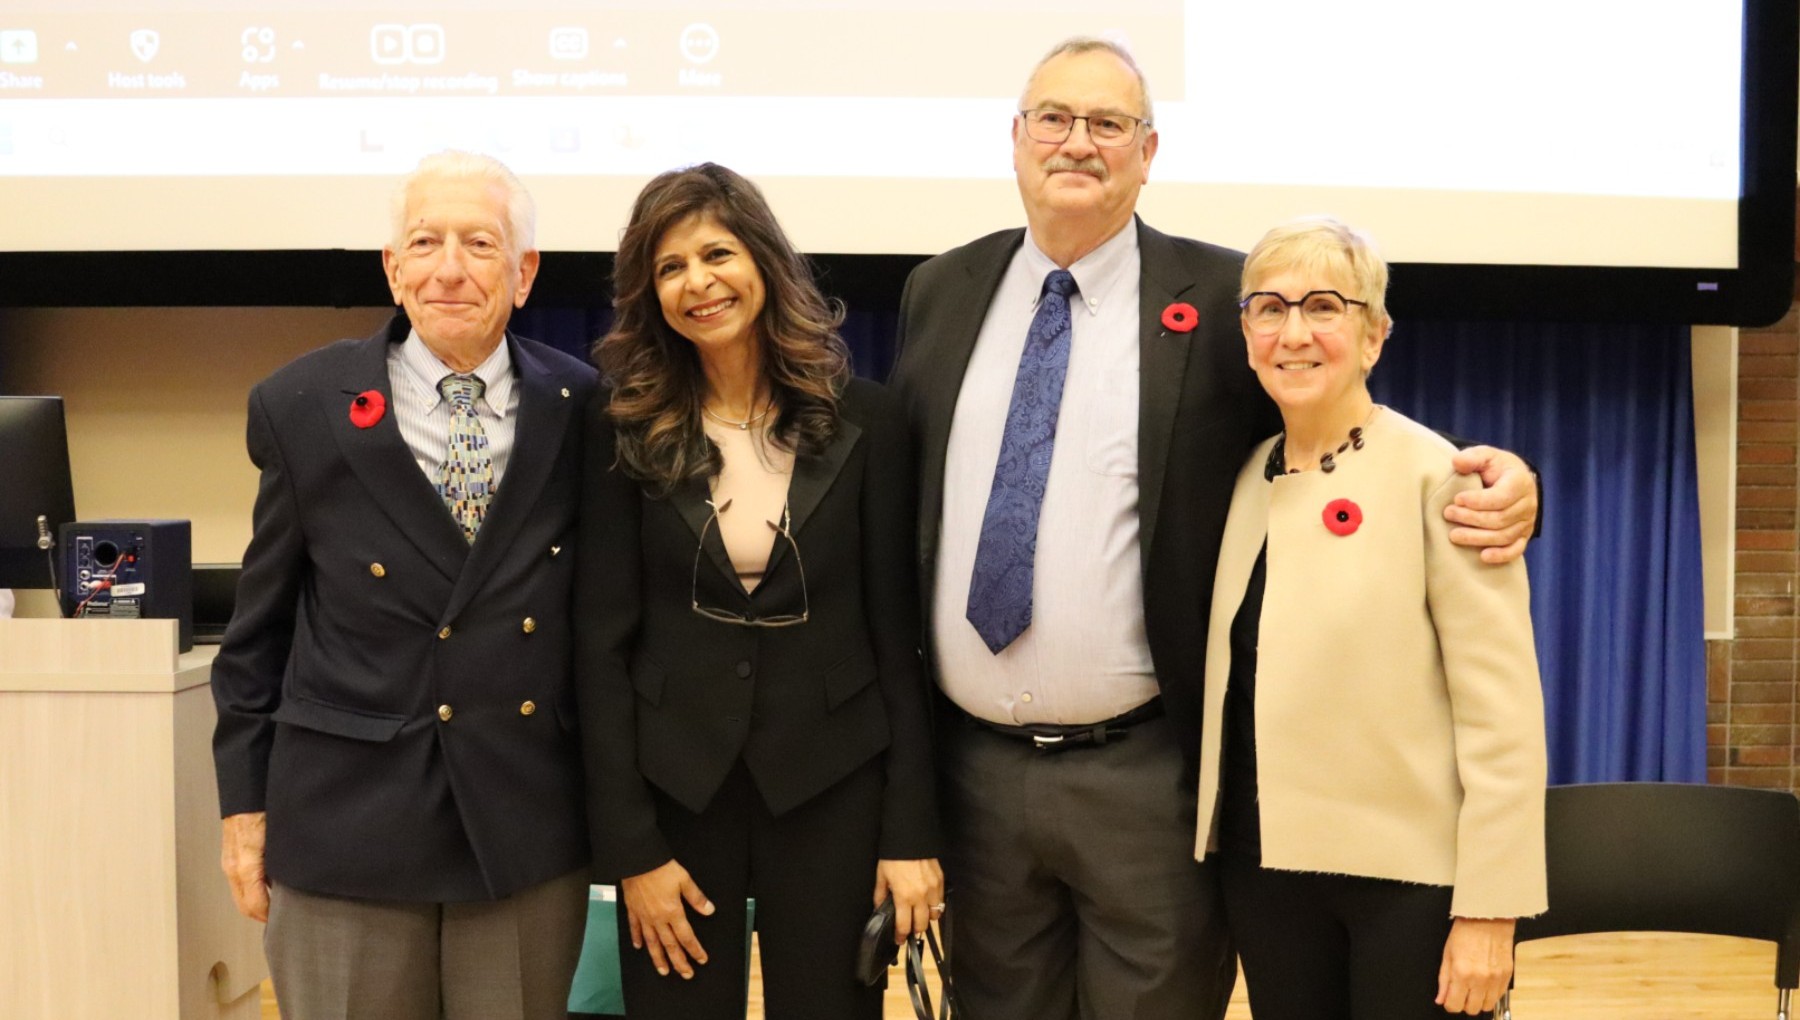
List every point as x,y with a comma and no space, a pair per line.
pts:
395,698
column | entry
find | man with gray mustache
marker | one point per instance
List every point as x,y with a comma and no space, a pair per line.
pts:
1081,402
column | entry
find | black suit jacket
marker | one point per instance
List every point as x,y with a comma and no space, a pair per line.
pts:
373,684
673,699
1201,410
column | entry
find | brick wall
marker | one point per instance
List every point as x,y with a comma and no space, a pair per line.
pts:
1753,683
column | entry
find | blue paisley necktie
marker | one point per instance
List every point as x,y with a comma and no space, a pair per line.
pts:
1000,590
466,481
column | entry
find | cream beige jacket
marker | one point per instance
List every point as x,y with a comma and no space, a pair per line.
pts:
1399,718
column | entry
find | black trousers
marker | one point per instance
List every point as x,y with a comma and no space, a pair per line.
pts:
812,874
1336,947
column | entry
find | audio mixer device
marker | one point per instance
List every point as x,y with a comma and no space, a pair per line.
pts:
128,570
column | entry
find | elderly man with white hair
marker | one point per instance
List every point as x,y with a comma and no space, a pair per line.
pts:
396,747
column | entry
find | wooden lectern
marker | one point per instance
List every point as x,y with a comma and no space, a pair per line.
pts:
112,904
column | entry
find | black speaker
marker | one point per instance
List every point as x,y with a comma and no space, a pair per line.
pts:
129,570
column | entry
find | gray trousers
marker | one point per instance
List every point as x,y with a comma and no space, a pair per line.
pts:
1073,887
334,958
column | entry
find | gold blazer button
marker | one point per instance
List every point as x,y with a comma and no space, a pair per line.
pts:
445,712
528,708
529,625
378,570
444,635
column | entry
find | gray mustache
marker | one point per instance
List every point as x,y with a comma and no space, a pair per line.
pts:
1062,164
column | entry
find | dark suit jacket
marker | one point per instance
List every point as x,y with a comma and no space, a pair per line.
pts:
1200,412
372,686
674,700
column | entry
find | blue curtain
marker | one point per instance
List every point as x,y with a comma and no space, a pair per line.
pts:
570,330
1605,413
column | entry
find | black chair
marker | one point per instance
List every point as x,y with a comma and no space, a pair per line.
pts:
1675,857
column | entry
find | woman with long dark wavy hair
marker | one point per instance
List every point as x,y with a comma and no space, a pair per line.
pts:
752,704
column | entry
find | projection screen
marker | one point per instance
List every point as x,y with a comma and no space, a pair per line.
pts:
1539,136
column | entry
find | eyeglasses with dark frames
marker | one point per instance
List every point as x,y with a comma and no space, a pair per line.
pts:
1267,312
1053,127
783,530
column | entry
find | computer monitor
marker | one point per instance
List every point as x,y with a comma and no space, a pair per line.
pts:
36,494
215,594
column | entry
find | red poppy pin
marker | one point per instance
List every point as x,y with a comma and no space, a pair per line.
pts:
1342,517
1180,317
367,408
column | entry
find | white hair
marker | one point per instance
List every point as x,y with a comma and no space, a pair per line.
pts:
521,211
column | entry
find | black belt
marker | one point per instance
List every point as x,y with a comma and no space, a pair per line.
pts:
1054,737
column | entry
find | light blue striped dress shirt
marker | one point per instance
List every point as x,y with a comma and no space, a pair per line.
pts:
424,415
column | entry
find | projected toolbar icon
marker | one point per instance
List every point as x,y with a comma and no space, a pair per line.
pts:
699,43
407,44
426,43
258,42
569,43
387,44
144,44
18,46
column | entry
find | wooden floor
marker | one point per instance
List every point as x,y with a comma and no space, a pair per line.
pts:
1664,977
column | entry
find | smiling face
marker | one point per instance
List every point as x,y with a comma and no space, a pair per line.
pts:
1077,180
707,283
455,269
1306,368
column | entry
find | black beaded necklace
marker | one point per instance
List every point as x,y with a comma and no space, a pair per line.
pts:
1277,463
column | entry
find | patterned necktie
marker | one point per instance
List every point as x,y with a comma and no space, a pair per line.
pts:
466,481
1000,590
